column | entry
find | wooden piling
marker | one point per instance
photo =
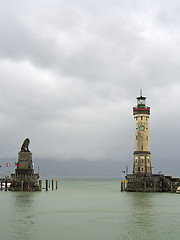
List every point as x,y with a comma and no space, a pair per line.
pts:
46,185
1,186
56,184
22,185
122,186
6,185
40,184
49,183
52,185
126,186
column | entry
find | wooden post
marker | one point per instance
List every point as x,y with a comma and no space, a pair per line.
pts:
56,184
22,185
40,184
1,186
122,186
46,185
171,187
49,183
52,185
6,185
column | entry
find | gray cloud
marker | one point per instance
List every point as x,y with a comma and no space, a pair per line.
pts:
70,73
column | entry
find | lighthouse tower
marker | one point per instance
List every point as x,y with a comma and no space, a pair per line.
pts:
142,155
142,179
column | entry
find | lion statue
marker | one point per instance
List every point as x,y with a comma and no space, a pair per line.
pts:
25,145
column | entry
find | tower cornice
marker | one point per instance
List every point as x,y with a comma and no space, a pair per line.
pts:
143,110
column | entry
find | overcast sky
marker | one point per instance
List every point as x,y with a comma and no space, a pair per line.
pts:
70,72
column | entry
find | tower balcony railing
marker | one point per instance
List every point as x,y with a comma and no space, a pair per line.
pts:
139,109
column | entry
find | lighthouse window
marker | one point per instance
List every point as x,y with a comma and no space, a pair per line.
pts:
141,118
142,169
141,146
136,137
147,137
142,160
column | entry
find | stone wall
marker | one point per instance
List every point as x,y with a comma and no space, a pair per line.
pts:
151,183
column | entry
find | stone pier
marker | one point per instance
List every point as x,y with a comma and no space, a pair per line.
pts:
151,183
24,178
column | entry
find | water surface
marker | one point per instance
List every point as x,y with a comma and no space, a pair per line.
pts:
89,209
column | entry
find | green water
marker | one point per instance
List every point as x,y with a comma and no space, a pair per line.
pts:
89,209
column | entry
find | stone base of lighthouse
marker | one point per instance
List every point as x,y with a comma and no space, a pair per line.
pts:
151,183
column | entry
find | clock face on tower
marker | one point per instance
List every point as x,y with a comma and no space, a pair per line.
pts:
141,128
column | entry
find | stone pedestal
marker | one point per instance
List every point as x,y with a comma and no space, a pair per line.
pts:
25,165
24,160
24,178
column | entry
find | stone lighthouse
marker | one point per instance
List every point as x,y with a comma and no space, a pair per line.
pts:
142,179
142,155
